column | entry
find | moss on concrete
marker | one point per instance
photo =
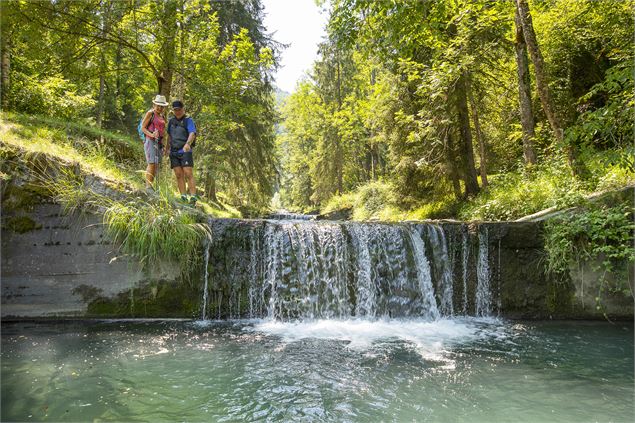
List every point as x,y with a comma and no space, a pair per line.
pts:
22,224
153,298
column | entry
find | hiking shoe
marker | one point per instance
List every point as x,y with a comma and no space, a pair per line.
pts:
193,199
184,198
149,190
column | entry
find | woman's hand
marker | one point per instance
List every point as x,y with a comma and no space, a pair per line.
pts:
155,134
187,148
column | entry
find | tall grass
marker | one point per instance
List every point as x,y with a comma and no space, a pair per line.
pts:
155,231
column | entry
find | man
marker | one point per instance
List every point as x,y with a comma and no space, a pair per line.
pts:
181,134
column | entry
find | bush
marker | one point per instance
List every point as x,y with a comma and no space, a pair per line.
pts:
51,96
597,234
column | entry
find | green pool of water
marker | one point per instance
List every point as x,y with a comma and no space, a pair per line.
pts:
453,370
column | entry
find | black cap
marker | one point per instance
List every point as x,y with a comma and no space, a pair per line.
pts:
178,104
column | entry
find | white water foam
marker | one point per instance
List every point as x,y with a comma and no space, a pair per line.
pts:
431,339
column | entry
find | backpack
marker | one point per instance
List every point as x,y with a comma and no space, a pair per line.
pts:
140,129
182,123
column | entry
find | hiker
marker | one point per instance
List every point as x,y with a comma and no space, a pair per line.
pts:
181,134
153,126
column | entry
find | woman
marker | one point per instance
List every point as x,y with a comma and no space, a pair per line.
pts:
153,126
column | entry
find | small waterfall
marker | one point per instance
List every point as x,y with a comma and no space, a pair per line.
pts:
483,294
366,292
208,243
296,269
441,261
423,275
465,255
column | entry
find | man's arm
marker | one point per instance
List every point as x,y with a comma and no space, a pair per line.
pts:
192,135
190,140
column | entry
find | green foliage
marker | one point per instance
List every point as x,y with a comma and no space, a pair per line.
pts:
517,194
394,113
102,65
371,199
598,234
51,96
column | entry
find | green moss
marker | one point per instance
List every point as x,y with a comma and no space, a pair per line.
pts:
22,198
158,298
560,294
22,224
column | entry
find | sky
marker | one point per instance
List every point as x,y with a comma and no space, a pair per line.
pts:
300,24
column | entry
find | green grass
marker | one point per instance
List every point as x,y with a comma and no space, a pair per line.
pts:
517,194
109,156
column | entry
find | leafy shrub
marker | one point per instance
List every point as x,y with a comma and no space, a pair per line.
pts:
339,202
597,234
51,96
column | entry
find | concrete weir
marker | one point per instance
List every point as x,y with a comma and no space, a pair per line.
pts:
64,266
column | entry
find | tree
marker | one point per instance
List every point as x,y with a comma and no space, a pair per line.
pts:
524,91
541,81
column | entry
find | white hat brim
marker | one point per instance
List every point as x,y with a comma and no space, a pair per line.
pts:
158,103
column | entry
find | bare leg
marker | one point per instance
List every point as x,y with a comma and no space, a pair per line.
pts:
188,172
151,171
180,181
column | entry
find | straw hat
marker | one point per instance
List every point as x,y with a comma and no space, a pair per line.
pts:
159,100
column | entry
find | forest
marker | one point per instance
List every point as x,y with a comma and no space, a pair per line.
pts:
100,63
470,109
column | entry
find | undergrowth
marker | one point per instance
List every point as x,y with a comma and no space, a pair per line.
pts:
599,235
509,196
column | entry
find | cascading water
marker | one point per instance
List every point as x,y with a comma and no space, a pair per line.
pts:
295,269
483,294
208,243
465,254
442,265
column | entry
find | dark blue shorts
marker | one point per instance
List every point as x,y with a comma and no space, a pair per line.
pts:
184,159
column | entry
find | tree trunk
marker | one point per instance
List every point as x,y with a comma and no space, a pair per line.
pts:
210,187
539,68
482,147
451,163
168,49
466,149
5,68
541,82
102,69
524,94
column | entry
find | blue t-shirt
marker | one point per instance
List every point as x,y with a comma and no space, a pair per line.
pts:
190,125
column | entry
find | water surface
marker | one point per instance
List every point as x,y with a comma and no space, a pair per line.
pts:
459,370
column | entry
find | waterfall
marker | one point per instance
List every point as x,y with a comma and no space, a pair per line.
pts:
208,243
465,255
483,295
423,275
298,269
366,292
441,261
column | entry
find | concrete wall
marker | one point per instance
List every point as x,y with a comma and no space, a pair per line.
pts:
63,266
58,269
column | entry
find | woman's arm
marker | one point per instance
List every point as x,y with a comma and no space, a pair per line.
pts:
146,122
